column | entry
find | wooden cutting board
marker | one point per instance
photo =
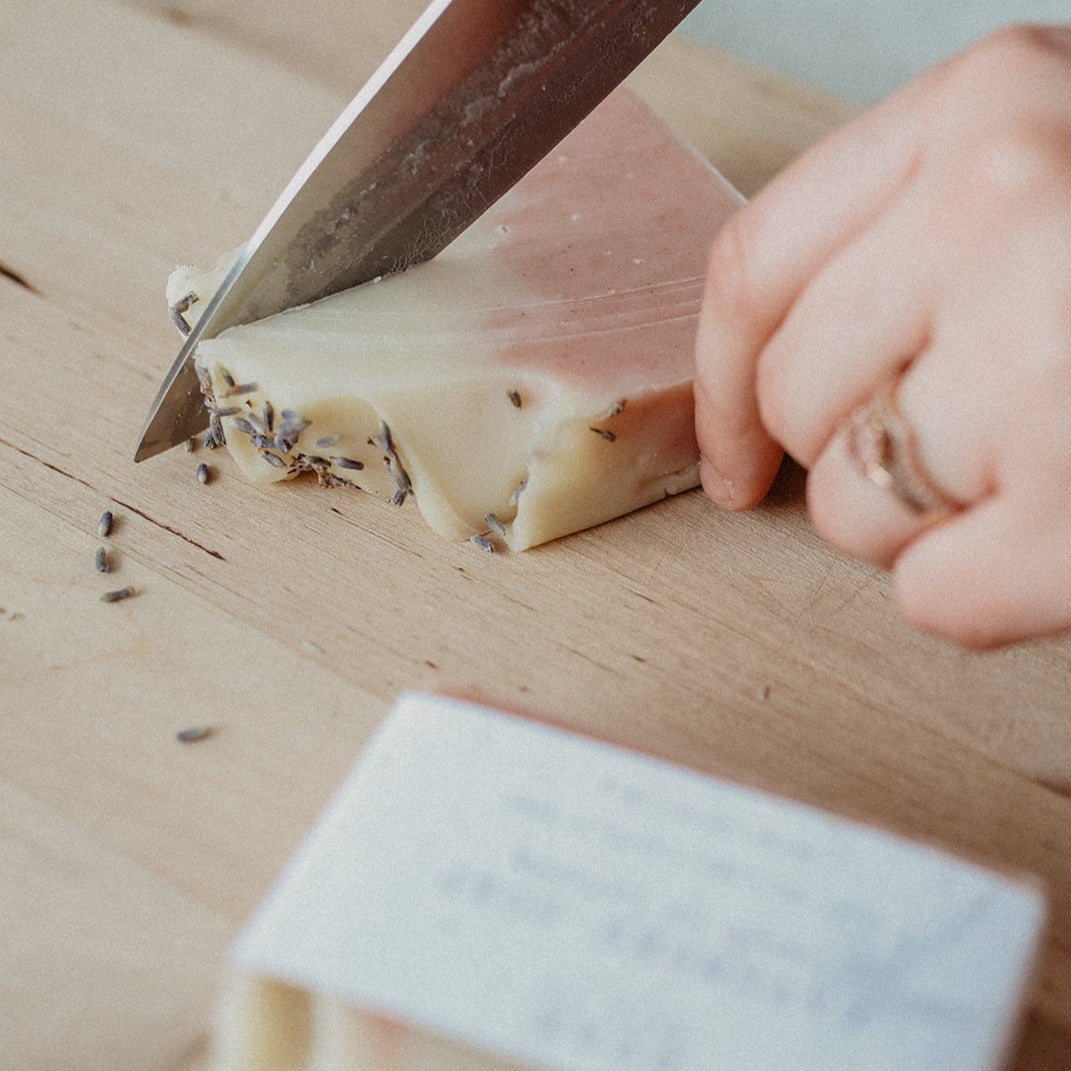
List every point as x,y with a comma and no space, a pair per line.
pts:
141,134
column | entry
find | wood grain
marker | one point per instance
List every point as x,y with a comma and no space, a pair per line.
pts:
135,136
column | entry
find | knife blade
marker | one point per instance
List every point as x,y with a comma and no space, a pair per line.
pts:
471,98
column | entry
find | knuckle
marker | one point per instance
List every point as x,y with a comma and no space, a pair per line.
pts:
1004,55
1000,71
999,129
1017,162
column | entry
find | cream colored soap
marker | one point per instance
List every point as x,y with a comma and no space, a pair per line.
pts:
267,1025
532,380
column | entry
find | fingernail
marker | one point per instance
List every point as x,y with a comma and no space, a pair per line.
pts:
716,486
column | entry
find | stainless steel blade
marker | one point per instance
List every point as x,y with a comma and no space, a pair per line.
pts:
475,94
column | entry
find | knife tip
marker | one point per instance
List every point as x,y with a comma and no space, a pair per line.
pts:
177,413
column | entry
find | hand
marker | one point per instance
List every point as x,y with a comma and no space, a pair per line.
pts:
925,245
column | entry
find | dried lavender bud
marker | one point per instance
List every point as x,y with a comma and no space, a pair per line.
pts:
117,595
194,733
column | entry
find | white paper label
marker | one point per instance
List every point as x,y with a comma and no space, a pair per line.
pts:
579,907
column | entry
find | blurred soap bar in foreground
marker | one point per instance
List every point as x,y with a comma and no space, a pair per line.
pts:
490,892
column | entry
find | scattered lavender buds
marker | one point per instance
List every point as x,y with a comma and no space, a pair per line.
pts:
181,306
515,397
202,473
117,595
222,411
385,439
236,389
104,525
482,543
194,733
402,482
101,560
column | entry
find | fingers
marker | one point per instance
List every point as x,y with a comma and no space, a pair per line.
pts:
883,479
994,573
761,262
860,320
923,244
986,404
987,578
853,512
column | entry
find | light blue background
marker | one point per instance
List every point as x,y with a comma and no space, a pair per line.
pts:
859,49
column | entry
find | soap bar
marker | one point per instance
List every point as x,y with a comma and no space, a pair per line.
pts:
268,1025
532,380
488,892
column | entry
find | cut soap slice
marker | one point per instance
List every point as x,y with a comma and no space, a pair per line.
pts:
532,380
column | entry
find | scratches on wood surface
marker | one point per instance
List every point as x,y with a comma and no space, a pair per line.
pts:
60,471
17,278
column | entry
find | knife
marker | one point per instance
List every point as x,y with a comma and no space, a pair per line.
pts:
471,98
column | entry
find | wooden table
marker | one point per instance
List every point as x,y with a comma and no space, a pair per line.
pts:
136,135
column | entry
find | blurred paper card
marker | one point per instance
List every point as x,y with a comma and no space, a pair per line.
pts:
574,906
